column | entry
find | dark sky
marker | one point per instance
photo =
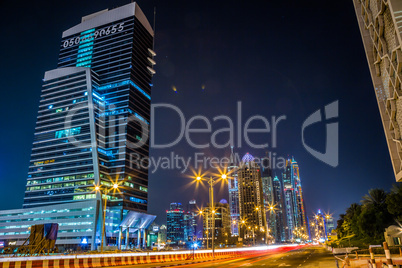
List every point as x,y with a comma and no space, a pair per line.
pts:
289,58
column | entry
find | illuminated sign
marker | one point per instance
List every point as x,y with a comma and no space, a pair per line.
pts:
93,35
84,241
155,229
44,162
1,244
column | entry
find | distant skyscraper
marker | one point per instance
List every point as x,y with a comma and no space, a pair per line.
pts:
251,201
175,224
280,216
293,200
321,226
269,195
162,234
233,194
222,223
192,209
179,224
379,23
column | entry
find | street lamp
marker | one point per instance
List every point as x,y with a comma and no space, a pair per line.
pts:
212,181
104,191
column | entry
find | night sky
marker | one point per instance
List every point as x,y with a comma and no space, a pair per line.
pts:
289,58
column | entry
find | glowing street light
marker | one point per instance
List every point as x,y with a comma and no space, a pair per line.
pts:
104,191
211,181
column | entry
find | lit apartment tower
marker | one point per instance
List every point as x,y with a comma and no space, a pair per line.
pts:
293,200
192,209
379,23
222,223
233,194
300,205
319,226
251,200
175,224
280,216
91,112
268,194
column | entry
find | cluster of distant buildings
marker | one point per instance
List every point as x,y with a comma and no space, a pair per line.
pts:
262,209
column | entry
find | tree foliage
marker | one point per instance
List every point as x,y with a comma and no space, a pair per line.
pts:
364,224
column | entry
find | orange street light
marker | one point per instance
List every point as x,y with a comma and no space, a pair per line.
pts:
105,192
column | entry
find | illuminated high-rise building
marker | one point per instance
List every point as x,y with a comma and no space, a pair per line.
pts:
217,224
269,197
92,123
175,224
380,27
192,210
278,230
294,207
321,226
251,200
91,112
233,194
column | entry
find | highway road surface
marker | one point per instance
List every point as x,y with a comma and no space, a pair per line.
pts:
313,256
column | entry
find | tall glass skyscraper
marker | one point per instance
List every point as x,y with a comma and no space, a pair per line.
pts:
251,200
293,200
94,113
175,224
92,129
280,220
233,194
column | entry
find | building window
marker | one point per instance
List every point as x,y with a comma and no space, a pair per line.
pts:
68,132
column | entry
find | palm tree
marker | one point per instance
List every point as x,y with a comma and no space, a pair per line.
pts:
374,197
352,209
396,188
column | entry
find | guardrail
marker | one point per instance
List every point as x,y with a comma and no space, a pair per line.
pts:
99,260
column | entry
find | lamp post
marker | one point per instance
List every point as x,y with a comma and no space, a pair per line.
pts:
104,191
243,222
206,232
211,181
257,221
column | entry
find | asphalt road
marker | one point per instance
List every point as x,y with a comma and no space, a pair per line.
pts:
316,257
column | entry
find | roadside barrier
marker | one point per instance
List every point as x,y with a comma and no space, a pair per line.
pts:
377,261
118,259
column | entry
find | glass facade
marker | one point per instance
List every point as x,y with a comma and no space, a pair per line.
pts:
251,200
76,222
233,194
175,223
293,200
92,108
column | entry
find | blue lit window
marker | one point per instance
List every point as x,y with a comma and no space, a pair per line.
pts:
84,64
84,50
122,84
97,96
84,54
138,200
86,45
50,107
84,59
88,31
67,132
